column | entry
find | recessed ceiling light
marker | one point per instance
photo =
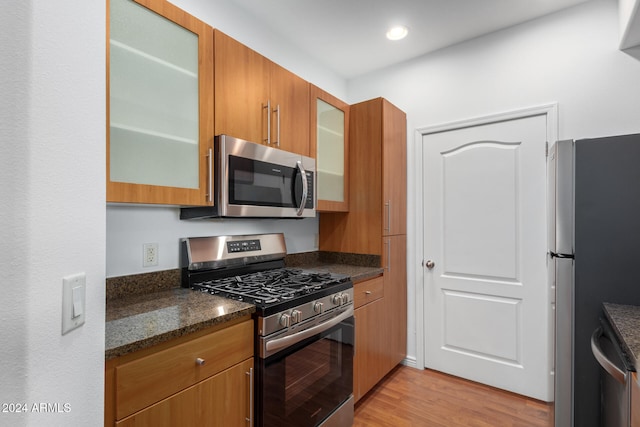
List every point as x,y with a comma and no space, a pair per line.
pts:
397,33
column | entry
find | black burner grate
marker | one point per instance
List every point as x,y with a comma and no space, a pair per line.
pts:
270,286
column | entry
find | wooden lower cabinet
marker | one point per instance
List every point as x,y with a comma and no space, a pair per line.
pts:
368,363
222,400
202,379
381,319
394,260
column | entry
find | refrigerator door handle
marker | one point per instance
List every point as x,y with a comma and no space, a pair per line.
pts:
561,256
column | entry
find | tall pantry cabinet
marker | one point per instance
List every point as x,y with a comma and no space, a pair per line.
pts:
376,225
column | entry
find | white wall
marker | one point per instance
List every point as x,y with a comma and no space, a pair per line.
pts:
128,228
570,57
52,166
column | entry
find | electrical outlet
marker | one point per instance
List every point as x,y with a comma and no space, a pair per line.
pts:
150,254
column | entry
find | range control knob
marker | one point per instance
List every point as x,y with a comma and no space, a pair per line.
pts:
337,299
317,308
344,298
296,316
285,320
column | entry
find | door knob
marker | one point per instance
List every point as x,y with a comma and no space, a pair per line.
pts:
429,264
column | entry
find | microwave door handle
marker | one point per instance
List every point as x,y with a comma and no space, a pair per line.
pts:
305,187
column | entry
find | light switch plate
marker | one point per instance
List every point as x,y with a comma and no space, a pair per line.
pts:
73,301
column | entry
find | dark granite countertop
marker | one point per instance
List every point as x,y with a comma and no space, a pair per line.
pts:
146,309
358,267
358,273
139,321
625,320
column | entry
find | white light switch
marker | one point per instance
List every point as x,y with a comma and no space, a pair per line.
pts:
78,300
73,300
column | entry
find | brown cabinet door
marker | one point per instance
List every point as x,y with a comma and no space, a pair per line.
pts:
394,169
328,128
369,361
289,97
153,153
258,100
394,261
242,90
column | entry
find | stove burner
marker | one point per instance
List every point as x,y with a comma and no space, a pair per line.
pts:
269,286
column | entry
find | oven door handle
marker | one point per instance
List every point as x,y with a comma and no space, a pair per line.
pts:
603,360
280,343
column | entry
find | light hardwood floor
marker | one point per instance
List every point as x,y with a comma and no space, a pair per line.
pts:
413,397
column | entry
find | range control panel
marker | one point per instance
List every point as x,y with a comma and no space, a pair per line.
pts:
243,246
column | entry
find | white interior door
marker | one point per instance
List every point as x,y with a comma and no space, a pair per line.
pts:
487,305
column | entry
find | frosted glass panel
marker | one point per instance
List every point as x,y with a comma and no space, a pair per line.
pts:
153,99
330,161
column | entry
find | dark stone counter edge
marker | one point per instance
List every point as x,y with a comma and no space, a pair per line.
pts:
176,333
624,319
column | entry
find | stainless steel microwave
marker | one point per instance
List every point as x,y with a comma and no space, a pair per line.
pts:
253,180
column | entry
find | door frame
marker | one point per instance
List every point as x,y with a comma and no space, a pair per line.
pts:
550,111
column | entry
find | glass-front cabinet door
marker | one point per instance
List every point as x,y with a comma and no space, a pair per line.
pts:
160,104
329,146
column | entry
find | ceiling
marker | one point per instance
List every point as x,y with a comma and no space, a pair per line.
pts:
349,35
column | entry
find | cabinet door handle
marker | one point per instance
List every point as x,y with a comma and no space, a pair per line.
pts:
367,292
388,206
277,111
388,267
200,361
210,177
268,108
250,419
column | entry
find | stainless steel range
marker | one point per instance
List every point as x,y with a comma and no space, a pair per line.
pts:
304,326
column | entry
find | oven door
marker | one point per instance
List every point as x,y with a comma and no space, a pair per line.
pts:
260,181
306,382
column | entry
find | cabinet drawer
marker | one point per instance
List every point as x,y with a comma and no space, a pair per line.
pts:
367,291
222,400
152,378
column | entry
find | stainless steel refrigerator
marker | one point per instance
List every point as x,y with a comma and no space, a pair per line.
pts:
594,257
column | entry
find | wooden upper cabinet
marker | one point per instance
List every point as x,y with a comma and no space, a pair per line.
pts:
159,104
394,169
329,132
377,180
241,88
258,100
289,111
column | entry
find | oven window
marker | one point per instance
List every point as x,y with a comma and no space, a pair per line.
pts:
307,383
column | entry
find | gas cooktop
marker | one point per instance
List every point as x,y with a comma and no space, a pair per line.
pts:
252,269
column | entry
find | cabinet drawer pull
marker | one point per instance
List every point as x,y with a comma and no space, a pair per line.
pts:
367,292
200,361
